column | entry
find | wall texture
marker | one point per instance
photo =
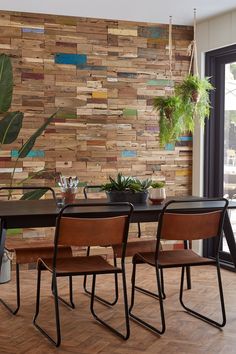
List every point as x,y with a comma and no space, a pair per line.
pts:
103,75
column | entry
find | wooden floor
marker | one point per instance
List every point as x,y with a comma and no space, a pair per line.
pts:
81,334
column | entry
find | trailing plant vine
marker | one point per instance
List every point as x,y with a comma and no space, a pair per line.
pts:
170,118
194,95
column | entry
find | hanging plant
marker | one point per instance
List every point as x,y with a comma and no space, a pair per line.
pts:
169,108
190,100
171,123
193,93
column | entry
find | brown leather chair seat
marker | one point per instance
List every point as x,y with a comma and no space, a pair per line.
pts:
175,258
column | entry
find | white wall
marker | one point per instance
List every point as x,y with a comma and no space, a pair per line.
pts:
212,34
132,10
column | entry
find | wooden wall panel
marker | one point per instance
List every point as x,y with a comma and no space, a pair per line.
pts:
103,74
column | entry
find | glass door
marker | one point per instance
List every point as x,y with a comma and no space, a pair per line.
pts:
220,136
230,140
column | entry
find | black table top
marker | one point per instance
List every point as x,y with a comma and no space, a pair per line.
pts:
43,213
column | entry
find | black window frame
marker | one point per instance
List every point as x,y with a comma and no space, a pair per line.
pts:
214,136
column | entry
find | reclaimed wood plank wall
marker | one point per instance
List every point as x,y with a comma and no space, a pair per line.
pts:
103,74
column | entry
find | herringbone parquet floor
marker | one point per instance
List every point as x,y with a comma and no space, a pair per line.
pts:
81,334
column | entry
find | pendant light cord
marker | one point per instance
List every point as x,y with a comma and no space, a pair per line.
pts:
170,50
192,49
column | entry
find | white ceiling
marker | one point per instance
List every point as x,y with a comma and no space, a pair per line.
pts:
132,10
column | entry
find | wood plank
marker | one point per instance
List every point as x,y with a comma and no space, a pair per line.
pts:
185,334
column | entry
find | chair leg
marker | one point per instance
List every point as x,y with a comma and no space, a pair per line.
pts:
188,277
197,314
56,342
150,293
188,245
99,298
139,230
85,277
71,302
127,327
14,311
160,294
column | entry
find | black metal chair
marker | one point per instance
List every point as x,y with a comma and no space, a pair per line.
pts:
81,229
97,189
28,251
202,220
92,191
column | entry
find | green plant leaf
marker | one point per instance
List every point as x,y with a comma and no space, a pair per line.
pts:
158,184
10,127
28,145
194,94
123,183
34,194
171,118
33,175
6,83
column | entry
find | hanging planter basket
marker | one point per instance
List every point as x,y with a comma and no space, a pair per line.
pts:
195,96
193,92
189,101
170,118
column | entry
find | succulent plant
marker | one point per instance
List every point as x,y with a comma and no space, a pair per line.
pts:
123,183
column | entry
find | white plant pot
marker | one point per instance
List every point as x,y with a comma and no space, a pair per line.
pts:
5,271
157,195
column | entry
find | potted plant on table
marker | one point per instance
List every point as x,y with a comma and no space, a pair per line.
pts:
157,192
127,189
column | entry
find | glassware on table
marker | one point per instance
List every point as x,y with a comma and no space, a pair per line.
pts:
60,202
68,195
157,195
69,188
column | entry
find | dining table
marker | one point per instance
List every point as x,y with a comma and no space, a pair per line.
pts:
43,213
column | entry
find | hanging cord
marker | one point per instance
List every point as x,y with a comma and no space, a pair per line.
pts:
170,48
192,48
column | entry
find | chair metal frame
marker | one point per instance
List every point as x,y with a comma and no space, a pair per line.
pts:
2,241
158,266
62,215
88,292
14,310
116,291
85,191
